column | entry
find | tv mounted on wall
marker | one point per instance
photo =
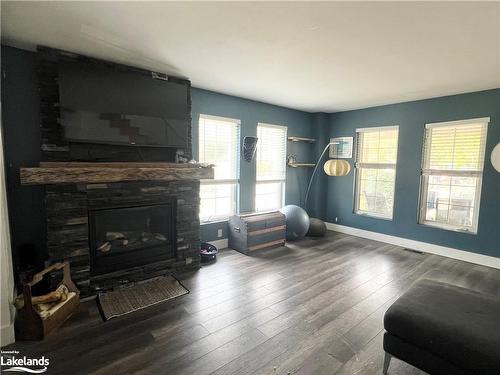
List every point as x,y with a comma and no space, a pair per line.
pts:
105,104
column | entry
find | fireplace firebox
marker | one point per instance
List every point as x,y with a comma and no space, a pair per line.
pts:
123,237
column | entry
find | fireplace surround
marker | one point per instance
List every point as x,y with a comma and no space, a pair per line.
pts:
130,222
171,244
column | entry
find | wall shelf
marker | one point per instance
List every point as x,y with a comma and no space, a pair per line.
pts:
301,139
301,165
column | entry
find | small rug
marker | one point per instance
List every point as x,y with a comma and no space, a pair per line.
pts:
139,296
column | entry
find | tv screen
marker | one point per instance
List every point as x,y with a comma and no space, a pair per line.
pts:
105,104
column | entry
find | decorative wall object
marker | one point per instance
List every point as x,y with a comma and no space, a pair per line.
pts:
341,147
495,157
291,159
249,148
292,162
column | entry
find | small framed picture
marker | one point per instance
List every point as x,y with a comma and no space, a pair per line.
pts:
342,149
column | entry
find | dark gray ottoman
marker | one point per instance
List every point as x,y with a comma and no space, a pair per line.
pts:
444,329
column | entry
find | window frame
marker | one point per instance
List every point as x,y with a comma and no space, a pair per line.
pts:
425,173
358,167
214,181
282,181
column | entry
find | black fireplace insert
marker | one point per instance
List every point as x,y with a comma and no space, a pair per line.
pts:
123,237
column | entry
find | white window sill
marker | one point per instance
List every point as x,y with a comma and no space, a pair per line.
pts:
472,231
214,221
374,216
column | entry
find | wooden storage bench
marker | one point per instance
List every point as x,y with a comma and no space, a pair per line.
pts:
251,232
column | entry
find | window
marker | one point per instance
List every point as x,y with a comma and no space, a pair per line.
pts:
376,158
219,140
452,169
271,167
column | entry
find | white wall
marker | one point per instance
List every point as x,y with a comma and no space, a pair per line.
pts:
6,272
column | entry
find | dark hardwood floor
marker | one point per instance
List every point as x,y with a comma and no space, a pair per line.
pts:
314,307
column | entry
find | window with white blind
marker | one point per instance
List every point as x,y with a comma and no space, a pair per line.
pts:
452,170
271,167
376,158
219,140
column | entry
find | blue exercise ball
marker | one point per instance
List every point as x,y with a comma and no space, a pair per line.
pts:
297,222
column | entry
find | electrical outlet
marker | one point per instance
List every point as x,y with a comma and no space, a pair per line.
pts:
336,219
219,233
189,260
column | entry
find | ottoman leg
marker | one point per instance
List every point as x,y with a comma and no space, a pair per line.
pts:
387,361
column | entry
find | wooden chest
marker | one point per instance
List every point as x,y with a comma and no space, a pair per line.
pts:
251,232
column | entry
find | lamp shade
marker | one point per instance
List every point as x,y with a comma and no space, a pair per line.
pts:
495,157
335,167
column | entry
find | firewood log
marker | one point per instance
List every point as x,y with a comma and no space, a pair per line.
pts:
110,236
105,247
61,294
40,307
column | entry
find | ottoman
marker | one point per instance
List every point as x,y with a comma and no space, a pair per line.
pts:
444,329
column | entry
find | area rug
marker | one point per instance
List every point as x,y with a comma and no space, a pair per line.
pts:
138,296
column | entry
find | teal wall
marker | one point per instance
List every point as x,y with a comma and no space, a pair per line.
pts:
250,113
332,197
411,118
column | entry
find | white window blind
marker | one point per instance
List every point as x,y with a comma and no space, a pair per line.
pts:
376,159
452,169
271,167
219,140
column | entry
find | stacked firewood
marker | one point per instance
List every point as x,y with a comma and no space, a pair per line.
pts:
46,303
124,239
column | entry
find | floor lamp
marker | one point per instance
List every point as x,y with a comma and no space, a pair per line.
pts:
332,167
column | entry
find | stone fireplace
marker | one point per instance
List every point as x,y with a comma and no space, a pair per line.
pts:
120,222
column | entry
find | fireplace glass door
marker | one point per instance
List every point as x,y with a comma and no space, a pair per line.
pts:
124,237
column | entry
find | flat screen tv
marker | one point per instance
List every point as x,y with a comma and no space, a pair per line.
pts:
101,103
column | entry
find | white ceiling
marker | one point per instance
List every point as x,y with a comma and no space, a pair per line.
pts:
310,56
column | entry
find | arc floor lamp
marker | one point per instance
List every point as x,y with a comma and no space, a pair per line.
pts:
332,167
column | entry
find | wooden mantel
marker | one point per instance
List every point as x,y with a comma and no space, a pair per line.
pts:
50,173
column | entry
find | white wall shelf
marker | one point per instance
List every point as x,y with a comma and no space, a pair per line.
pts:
301,139
301,165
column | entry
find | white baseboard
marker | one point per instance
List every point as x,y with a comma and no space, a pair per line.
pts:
7,334
425,247
219,244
